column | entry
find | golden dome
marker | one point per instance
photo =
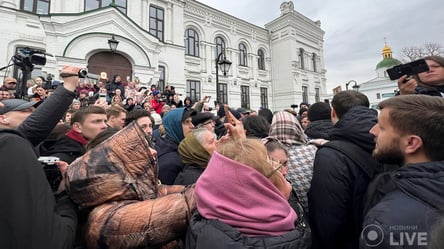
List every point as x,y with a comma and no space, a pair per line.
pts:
386,51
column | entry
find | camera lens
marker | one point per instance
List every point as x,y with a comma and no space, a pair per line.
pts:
83,73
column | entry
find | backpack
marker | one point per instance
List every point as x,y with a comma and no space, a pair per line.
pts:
381,181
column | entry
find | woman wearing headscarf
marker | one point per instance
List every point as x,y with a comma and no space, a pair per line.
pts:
286,128
177,124
242,201
195,151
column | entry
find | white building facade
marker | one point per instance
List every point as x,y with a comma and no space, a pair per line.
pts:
173,42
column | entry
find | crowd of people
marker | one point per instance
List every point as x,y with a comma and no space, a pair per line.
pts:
140,168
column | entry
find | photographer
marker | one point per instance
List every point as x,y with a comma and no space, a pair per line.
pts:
36,125
428,83
32,216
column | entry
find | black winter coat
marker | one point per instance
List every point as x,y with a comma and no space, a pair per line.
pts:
41,122
64,148
411,209
338,185
30,216
319,129
189,175
204,234
169,160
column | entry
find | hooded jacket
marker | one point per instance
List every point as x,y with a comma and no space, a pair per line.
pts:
339,185
170,163
319,129
412,208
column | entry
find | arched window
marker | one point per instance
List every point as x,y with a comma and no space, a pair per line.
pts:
191,43
242,54
302,58
261,59
220,45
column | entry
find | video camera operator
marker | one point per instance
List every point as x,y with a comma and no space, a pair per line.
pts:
32,216
428,83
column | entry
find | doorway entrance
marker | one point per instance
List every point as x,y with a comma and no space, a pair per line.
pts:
112,64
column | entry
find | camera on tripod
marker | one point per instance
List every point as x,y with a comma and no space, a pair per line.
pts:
29,57
52,172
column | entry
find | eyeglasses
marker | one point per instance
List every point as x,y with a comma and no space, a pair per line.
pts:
208,122
11,83
278,168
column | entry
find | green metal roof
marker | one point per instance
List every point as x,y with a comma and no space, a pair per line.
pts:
388,62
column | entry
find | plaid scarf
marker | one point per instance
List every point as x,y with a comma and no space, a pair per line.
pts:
286,128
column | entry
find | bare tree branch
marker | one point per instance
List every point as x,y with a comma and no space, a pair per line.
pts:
414,53
433,49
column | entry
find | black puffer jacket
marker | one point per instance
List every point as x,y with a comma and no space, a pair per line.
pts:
204,234
412,208
338,185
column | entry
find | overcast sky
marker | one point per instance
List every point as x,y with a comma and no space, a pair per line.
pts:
354,30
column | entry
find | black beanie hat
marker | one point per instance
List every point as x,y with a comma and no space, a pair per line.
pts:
319,111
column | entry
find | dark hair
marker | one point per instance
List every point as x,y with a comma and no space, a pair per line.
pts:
345,100
71,110
403,116
102,136
79,116
115,111
256,126
302,110
136,114
267,114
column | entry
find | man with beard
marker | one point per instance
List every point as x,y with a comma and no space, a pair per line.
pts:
412,198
